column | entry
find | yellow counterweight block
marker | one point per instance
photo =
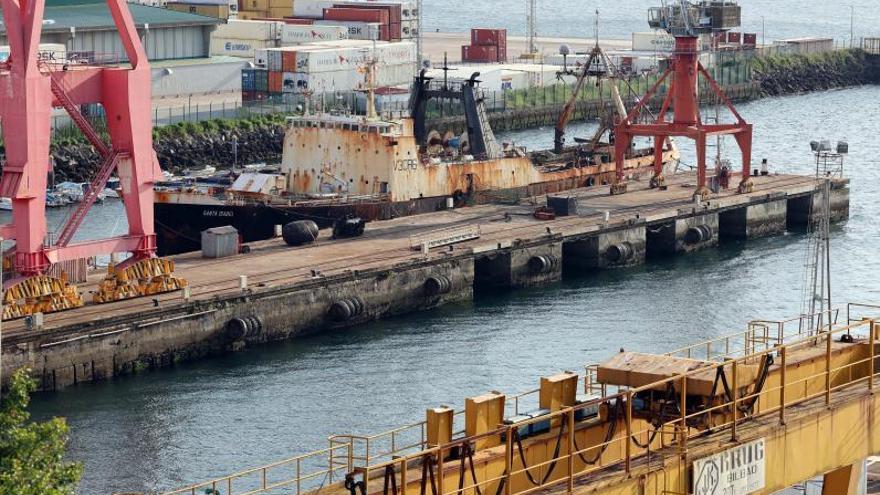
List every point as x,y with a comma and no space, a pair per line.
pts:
40,294
143,278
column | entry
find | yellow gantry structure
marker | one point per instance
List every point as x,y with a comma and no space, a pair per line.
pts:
752,412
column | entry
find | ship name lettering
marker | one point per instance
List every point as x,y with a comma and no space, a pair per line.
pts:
405,165
217,213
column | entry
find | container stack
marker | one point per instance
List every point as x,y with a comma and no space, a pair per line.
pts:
238,38
257,9
333,66
392,20
487,46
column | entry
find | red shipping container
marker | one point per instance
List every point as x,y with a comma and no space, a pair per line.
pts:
394,17
482,53
298,21
248,95
502,46
276,82
750,39
357,15
288,61
733,37
483,36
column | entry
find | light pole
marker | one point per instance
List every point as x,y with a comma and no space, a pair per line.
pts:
852,19
763,33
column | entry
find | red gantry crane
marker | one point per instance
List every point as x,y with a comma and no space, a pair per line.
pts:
686,21
29,89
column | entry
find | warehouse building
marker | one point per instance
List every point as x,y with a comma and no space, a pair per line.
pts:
88,29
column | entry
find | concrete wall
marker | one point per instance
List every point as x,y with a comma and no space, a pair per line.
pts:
673,237
593,251
809,208
756,220
202,328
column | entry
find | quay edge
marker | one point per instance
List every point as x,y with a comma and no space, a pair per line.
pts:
64,353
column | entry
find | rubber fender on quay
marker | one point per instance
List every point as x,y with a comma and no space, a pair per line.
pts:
437,285
237,329
698,234
346,309
619,253
543,263
299,232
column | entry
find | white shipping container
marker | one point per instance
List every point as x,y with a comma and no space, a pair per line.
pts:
653,41
357,30
249,30
237,47
48,52
398,52
274,60
409,29
297,34
311,9
261,57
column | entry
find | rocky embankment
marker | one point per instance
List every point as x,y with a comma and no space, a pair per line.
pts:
789,74
183,146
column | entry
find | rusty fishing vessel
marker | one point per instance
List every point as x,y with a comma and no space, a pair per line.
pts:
378,169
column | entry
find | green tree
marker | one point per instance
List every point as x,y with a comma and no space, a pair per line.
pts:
31,453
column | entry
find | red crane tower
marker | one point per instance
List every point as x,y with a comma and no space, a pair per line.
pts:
686,21
29,89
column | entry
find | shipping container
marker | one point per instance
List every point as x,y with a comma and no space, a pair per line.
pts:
220,11
238,47
250,15
298,21
261,80
483,54
247,96
653,41
288,60
734,38
409,29
261,57
296,33
358,30
253,5
249,30
394,14
750,40
310,9
276,81
274,60
358,15
248,80
484,36
287,4
279,12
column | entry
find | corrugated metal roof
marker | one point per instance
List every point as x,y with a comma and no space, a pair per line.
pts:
200,2
251,183
97,16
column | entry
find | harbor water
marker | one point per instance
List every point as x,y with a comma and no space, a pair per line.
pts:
575,18
164,428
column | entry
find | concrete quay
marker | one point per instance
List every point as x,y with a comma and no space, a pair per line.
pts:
340,283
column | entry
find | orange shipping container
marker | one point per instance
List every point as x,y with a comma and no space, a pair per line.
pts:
288,61
276,81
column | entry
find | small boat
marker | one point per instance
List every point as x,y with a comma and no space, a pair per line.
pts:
5,204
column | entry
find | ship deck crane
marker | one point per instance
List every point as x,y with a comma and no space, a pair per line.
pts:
686,22
30,89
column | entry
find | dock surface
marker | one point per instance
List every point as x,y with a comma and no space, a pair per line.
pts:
290,290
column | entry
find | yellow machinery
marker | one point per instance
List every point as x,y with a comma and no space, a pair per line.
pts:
748,413
41,294
143,278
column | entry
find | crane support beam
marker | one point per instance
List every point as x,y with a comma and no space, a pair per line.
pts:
683,100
